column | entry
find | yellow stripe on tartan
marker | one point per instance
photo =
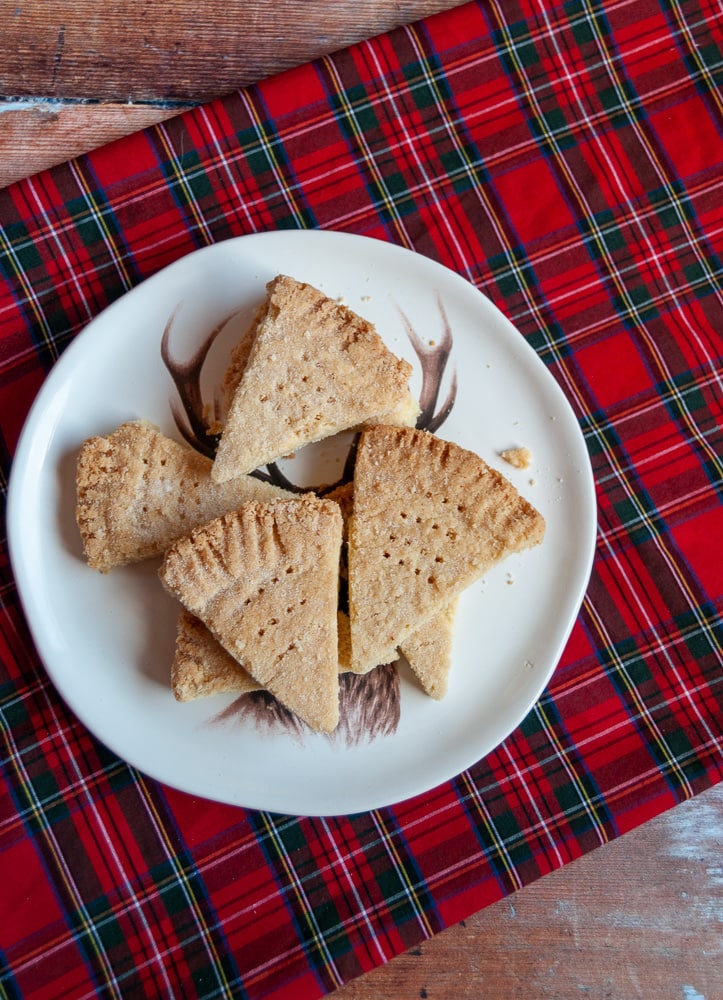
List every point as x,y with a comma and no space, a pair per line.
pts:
409,893
269,151
9,252
318,936
175,164
99,218
673,201
494,838
109,985
631,307
608,646
181,880
713,90
349,114
511,49
561,753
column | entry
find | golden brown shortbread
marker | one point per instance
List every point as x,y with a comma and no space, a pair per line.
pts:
264,579
428,650
403,414
314,368
429,518
137,491
201,666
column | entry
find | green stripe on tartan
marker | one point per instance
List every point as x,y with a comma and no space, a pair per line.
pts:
668,745
319,927
175,170
77,915
268,156
189,893
14,261
404,889
582,803
356,117
504,842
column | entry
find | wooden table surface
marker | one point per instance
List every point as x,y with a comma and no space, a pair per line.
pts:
641,917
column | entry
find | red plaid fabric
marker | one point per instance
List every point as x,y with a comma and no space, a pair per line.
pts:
565,159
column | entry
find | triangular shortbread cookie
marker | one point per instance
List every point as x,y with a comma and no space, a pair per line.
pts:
403,414
202,667
429,518
138,491
428,651
313,368
264,579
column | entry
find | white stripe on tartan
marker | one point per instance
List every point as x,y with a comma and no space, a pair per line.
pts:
500,844
583,797
88,929
174,161
30,296
297,883
532,93
54,236
643,712
222,164
661,361
97,213
410,886
267,148
204,929
409,143
368,159
362,910
672,202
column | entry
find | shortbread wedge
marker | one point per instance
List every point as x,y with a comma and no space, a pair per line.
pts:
428,651
137,491
429,518
314,368
201,666
264,579
404,413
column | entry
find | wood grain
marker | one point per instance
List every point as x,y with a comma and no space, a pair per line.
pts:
140,50
40,135
640,917
76,74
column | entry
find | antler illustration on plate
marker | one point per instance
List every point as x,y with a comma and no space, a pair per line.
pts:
199,423
369,703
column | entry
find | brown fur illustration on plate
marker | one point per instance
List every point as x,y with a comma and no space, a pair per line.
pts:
369,704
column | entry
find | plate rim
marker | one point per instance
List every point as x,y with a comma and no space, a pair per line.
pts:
20,470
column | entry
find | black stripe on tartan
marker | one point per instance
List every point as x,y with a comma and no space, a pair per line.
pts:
285,845
407,898
579,796
497,830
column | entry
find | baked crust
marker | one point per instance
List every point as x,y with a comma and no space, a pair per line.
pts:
137,491
201,666
264,579
313,368
429,519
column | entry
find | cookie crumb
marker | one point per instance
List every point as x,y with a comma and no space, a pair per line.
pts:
520,458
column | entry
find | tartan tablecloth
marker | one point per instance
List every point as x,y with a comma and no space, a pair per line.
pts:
565,159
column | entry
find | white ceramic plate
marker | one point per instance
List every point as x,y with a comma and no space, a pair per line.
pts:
107,641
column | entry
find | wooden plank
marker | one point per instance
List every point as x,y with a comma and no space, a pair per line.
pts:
143,50
37,135
640,917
